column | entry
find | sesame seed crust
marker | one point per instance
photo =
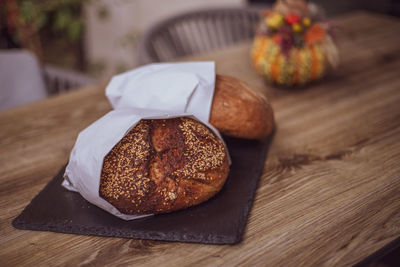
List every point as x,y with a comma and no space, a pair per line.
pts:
164,165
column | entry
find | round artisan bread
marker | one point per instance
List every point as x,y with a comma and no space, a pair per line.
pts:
164,165
240,112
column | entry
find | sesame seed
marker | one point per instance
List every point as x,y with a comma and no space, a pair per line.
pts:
139,177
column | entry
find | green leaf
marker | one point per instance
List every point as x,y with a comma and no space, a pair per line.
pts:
27,11
75,29
62,19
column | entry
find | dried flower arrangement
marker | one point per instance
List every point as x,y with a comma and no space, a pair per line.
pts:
291,47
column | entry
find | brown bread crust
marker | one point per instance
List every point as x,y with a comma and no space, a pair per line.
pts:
162,166
240,112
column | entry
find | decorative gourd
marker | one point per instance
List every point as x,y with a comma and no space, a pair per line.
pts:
289,49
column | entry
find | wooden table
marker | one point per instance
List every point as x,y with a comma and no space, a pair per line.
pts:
329,194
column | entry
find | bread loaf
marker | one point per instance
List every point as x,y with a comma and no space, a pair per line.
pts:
162,166
240,112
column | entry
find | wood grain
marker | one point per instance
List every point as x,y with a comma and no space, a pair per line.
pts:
329,194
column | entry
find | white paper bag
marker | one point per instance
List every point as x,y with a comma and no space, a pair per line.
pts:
155,91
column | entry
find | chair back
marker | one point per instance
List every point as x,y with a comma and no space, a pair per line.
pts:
197,32
59,80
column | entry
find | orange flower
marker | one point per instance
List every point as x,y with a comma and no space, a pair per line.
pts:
314,35
277,38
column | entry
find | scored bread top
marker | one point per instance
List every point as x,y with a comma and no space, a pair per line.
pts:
164,165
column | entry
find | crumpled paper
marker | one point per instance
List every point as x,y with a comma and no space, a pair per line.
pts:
155,91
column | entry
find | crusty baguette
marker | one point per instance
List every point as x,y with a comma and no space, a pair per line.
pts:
164,165
240,112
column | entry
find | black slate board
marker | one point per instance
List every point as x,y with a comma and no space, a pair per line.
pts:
221,220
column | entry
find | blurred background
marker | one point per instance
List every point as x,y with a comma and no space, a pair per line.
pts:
72,43
67,44
99,38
